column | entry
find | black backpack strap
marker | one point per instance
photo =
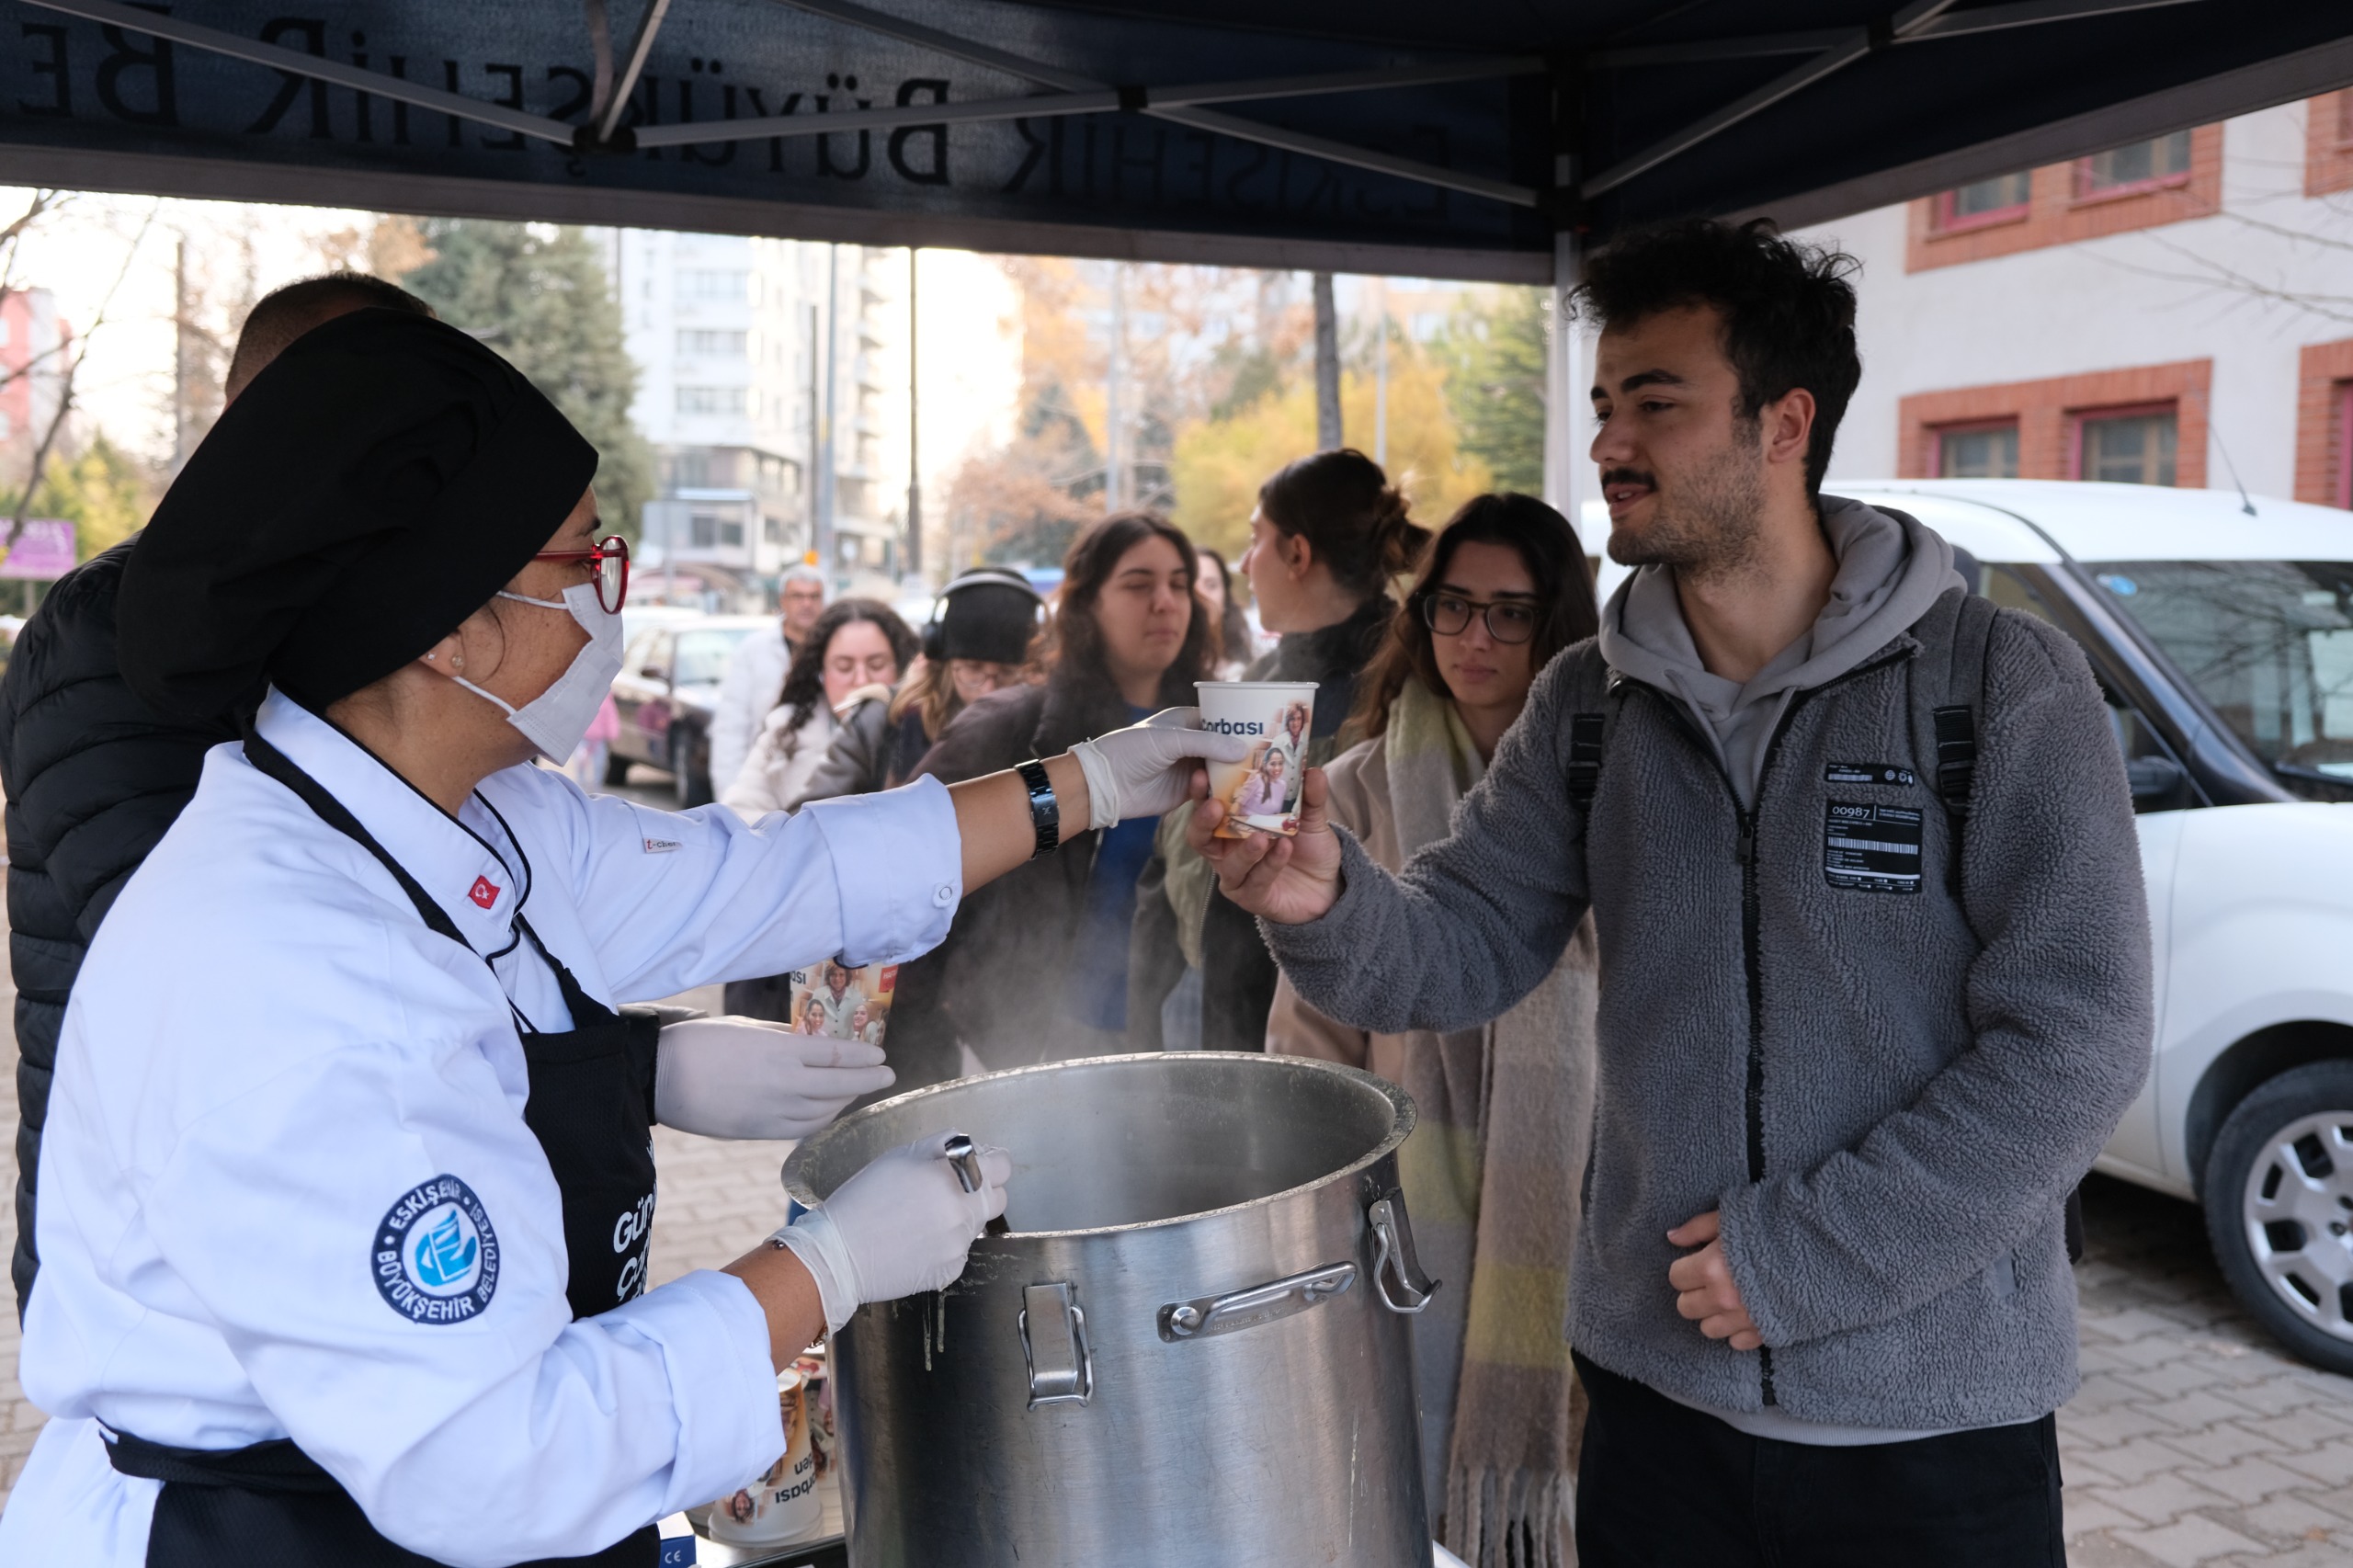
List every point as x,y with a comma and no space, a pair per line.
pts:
1587,733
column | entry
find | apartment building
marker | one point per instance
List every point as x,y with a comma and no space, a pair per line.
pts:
2176,312
35,346
735,338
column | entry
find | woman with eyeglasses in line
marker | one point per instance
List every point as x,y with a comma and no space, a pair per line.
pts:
1491,1174
348,1176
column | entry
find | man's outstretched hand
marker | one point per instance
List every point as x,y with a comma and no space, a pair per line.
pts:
1287,880
1703,1287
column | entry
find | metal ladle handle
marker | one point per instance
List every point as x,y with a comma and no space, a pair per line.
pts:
964,1157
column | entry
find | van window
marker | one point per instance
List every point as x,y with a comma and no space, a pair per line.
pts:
2269,644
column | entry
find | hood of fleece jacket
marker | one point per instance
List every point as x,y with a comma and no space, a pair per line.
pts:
1891,569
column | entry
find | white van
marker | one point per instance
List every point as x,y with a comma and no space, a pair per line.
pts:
2225,642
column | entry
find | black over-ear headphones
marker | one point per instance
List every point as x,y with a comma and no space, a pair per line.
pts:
935,632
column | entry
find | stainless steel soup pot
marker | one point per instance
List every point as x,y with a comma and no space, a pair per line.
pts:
1189,1350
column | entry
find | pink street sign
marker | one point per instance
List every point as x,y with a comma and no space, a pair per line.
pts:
44,550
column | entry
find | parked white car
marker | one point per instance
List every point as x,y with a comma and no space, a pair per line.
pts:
2225,642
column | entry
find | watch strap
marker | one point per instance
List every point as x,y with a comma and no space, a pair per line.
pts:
1045,810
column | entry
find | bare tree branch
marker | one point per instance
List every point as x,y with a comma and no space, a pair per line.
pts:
65,387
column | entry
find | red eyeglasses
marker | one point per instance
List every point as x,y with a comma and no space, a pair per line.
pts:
607,568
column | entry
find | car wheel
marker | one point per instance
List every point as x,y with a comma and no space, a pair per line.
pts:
616,769
2278,1193
690,772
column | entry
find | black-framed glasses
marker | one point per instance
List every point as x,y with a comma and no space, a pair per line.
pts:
607,561
1508,620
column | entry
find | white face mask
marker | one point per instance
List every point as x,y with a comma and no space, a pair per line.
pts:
557,718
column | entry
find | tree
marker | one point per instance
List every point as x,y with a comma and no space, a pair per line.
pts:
102,490
1494,353
541,296
1220,463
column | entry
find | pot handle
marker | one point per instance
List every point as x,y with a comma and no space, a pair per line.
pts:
1061,1362
1393,1257
1207,1316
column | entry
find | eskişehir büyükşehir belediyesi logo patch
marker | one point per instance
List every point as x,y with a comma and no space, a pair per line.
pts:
434,1256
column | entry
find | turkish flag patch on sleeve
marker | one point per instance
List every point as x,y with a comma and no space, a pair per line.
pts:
484,892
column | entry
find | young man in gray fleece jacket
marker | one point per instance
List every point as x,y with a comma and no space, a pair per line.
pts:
1853,1058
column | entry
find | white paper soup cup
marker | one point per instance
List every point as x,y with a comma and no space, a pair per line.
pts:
1260,792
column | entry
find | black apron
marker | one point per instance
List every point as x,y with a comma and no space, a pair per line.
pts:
591,1107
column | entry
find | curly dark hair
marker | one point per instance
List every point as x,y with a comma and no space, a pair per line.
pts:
805,683
1556,563
1077,643
1787,309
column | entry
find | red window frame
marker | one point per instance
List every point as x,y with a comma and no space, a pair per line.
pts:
2084,191
1947,222
2343,476
1937,434
2078,417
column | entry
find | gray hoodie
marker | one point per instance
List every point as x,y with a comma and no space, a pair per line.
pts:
1886,1079
1891,569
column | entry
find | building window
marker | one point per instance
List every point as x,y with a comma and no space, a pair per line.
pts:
707,530
710,399
2000,200
2143,166
1978,452
697,283
707,343
2127,445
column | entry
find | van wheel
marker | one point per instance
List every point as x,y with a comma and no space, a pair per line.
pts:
2278,1193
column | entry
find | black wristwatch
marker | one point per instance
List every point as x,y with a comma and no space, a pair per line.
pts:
1045,812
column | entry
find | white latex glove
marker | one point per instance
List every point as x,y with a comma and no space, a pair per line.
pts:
1146,769
745,1078
902,1225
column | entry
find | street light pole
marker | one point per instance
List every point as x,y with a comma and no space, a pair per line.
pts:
914,441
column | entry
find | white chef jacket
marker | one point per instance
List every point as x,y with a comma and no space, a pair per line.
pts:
268,1051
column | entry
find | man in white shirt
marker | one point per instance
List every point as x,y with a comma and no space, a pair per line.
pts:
755,671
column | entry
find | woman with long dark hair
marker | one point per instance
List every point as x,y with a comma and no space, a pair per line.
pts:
1329,536
1492,1173
1039,972
1216,588
857,650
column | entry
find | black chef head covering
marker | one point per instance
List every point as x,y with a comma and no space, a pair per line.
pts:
374,486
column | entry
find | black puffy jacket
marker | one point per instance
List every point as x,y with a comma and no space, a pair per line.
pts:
93,777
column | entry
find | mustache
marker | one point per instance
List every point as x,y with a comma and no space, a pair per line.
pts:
1628,476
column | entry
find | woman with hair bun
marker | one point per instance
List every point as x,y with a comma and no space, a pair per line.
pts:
1329,536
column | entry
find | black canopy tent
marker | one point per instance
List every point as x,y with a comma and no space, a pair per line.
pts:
1373,135
1478,139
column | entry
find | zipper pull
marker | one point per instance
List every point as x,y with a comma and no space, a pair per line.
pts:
1748,843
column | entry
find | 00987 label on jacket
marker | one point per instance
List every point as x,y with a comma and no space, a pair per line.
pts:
1871,848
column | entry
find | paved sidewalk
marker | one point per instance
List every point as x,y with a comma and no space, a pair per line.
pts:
2193,1442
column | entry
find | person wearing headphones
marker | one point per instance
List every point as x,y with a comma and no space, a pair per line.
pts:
348,1179
983,638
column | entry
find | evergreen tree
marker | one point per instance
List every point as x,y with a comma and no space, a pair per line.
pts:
541,296
1494,353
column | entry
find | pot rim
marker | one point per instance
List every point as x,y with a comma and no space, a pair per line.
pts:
1401,1127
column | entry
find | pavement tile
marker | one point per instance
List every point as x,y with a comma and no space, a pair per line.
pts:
2085,1514
2170,1379
2251,1479
2104,1551
2201,1408
2161,1499
2118,1424
2187,1542
2310,1426
2331,1465
2224,1441
2293,1519
2130,1463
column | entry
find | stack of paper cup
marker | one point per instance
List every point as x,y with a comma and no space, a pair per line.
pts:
781,1505
1260,793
